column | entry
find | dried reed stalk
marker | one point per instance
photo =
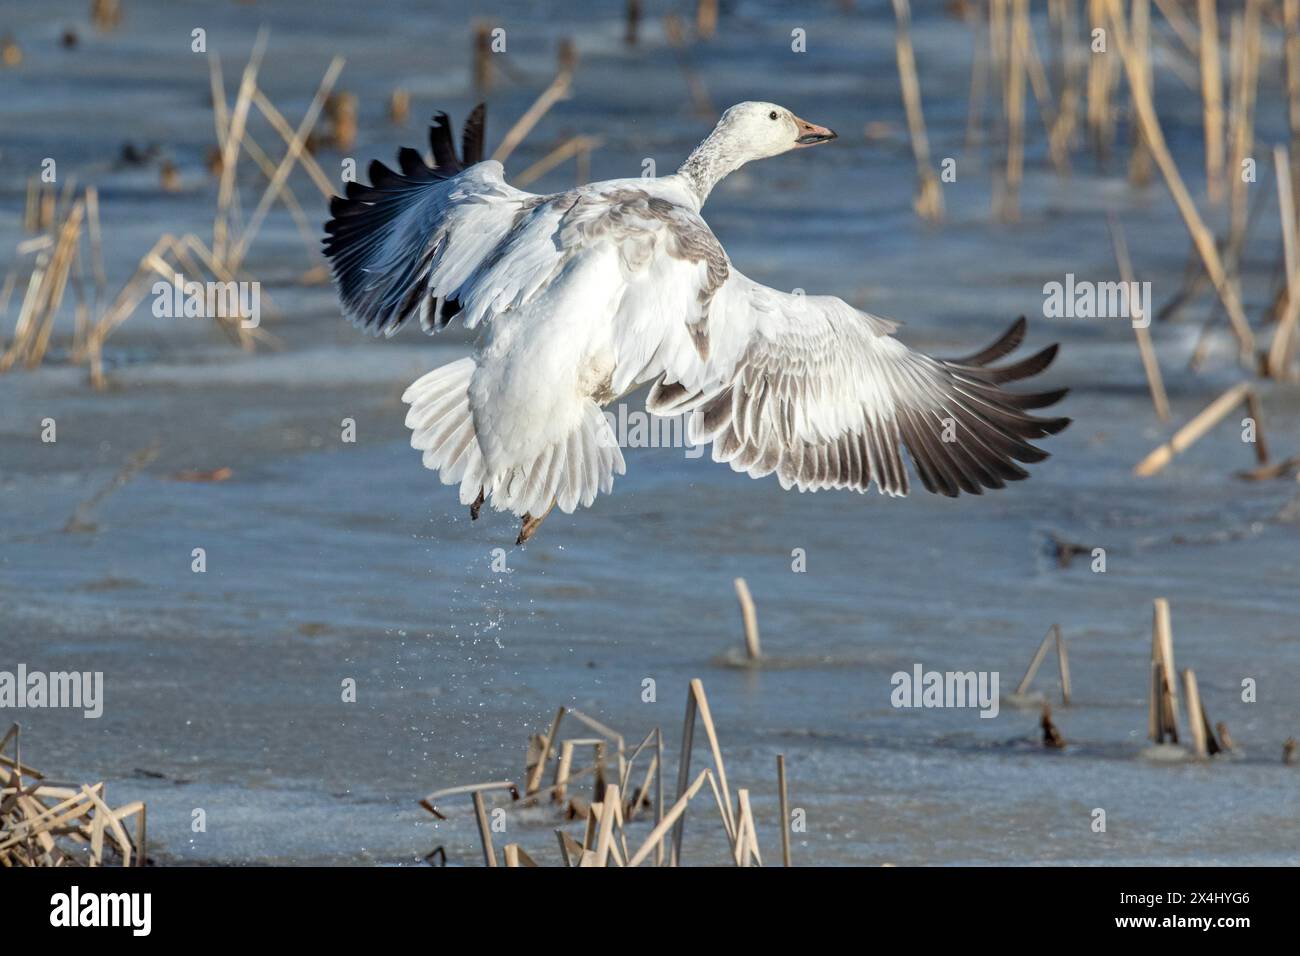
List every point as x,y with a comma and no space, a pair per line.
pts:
481,60
928,202
1201,235
1192,432
1282,349
548,747
1256,413
1141,330
672,817
1245,78
221,224
785,809
399,106
1008,198
576,146
1162,716
1063,665
1195,718
1211,97
1139,166
1101,87
1036,662
1063,24
1057,149
1182,26
1291,57
484,828
45,292
706,18
47,825
979,71
750,618
296,149
556,91
286,131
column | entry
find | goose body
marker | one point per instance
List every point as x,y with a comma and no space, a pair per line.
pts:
585,295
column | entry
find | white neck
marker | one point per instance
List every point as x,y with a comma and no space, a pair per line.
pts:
709,163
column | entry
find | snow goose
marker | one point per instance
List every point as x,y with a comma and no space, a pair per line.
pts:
590,293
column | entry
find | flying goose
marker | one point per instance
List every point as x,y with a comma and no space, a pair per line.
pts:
590,293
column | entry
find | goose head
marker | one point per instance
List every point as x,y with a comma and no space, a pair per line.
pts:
755,130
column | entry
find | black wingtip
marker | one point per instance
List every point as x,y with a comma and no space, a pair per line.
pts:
442,146
1004,344
473,135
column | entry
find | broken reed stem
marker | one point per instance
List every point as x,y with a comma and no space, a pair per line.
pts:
750,618
929,195
1281,349
556,91
1037,661
609,815
673,817
1256,413
1063,665
1195,717
1192,432
683,774
579,146
697,704
785,809
548,746
1142,329
1211,97
1163,712
1200,233
484,829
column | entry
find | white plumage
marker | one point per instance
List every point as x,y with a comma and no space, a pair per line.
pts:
588,294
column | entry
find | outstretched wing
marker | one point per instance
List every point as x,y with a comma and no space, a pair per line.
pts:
407,243
824,396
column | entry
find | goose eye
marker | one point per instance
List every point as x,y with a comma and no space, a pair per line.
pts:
772,115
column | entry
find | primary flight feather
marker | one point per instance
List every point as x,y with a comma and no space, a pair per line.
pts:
589,293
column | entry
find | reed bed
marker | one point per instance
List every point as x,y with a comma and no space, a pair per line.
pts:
69,232
1104,55
1175,732
611,793
43,823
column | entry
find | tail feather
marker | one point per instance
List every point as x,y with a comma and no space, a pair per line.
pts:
570,472
442,426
